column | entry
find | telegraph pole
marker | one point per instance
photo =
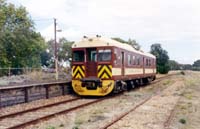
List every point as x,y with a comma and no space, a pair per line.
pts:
55,52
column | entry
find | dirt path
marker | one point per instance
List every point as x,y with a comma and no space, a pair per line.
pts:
181,93
152,115
187,113
95,116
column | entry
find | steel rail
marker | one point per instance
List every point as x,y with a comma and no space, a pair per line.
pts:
34,121
46,117
126,113
172,113
137,106
36,108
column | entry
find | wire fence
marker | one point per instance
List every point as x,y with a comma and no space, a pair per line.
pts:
17,71
27,70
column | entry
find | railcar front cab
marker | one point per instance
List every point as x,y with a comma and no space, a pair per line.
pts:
92,71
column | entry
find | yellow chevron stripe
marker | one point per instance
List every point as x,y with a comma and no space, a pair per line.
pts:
108,71
75,71
73,68
78,69
78,76
81,71
105,76
83,67
100,72
110,66
105,68
99,66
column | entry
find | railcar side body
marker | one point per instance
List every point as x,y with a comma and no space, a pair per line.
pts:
101,66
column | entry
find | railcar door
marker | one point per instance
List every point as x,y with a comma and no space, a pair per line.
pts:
122,65
143,65
91,62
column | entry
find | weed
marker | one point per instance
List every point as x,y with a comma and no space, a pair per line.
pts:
182,72
183,107
61,125
51,127
167,82
188,96
182,120
99,111
76,127
79,122
35,75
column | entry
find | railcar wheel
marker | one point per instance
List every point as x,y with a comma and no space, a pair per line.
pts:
130,85
120,86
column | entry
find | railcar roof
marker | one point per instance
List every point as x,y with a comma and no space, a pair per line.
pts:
100,42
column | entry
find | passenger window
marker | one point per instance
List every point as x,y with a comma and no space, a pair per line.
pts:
93,56
147,62
134,60
129,60
78,56
138,61
104,55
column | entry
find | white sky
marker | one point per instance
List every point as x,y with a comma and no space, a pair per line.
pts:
173,23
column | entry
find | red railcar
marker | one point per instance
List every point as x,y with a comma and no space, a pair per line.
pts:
101,66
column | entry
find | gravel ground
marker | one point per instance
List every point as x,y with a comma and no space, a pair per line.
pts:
154,112
96,116
182,93
187,113
33,104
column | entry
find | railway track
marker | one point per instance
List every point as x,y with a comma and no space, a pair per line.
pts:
166,123
51,110
36,115
37,108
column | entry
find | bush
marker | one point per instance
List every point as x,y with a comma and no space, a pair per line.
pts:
182,72
183,121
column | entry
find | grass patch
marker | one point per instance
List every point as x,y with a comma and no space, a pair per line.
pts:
51,127
167,82
99,111
182,121
61,125
75,127
188,96
35,75
182,72
81,119
183,107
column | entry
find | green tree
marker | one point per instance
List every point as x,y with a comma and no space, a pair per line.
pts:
186,67
46,58
63,50
174,65
131,42
196,63
20,45
162,58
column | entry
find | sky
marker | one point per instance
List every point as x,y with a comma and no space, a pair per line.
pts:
175,24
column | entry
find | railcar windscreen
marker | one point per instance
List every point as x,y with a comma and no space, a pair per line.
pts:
78,56
104,55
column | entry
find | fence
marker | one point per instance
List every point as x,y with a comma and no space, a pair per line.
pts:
17,71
